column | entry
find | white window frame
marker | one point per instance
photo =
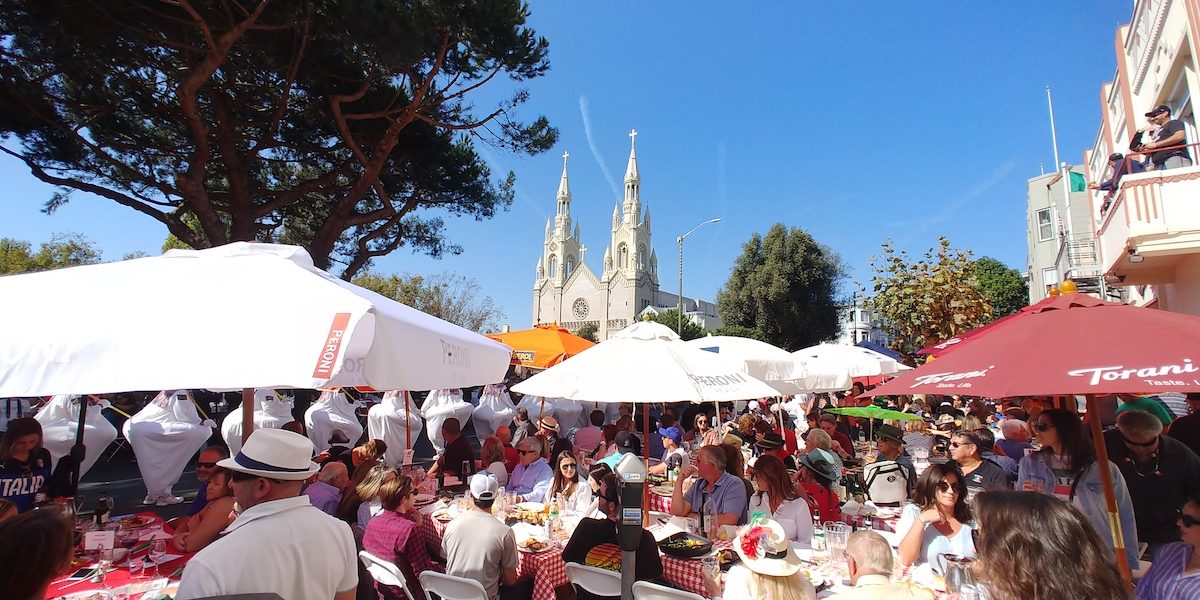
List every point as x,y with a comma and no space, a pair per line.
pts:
1048,225
1052,279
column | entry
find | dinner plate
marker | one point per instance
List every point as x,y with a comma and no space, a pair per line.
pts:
546,548
442,516
536,507
423,499
663,490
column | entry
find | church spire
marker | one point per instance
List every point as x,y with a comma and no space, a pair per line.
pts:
631,170
564,186
631,207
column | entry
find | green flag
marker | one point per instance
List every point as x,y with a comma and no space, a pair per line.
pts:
1078,183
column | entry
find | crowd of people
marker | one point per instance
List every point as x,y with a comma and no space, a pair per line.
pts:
999,482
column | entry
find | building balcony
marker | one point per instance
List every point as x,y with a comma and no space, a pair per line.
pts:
1152,225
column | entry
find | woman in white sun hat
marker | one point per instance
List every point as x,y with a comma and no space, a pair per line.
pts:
769,568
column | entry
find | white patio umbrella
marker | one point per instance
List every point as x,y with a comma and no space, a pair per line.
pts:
856,361
773,365
244,316
645,362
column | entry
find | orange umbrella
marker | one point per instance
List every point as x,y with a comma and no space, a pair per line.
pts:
543,346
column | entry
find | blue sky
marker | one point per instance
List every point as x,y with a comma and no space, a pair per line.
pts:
857,122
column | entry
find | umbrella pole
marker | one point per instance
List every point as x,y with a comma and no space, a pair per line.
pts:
407,418
646,457
247,413
542,410
1110,497
79,450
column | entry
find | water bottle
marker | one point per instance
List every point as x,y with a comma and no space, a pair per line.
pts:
710,521
818,542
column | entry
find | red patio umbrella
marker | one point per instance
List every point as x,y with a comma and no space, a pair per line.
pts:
937,350
1068,345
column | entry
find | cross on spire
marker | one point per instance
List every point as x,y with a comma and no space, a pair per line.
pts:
632,137
565,155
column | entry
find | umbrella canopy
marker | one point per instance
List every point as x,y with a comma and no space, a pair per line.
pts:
856,361
949,345
773,365
645,362
888,352
1073,344
243,315
543,346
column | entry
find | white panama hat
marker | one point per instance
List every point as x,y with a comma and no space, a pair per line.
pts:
275,454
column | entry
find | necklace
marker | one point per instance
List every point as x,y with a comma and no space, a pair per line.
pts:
1138,470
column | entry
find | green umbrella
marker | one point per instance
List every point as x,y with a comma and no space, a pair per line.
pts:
873,412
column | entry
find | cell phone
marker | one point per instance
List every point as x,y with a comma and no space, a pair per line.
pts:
83,573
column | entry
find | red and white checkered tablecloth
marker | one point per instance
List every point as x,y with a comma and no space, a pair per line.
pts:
546,568
687,573
660,503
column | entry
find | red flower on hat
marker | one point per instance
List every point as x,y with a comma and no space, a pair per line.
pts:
752,541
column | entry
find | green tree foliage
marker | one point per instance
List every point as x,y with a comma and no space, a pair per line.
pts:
447,296
1006,291
783,285
63,250
738,331
345,126
670,318
588,332
929,300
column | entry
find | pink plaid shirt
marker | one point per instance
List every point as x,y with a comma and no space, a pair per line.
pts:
394,538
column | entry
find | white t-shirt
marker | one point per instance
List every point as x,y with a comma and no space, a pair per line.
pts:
676,459
497,469
933,542
792,515
287,546
479,547
580,500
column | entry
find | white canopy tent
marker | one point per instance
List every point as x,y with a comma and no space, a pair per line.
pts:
855,361
778,368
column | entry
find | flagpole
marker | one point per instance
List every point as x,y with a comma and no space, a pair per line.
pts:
1064,170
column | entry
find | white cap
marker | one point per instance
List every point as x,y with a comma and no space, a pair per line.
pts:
484,486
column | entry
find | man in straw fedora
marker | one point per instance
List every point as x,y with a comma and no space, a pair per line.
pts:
279,542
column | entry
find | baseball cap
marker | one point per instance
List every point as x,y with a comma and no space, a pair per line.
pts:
889,432
484,486
1161,108
627,442
672,432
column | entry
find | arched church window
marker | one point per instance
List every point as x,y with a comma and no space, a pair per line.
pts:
553,266
641,257
570,266
623,256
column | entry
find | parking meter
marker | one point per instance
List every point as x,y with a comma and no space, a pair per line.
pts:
631,475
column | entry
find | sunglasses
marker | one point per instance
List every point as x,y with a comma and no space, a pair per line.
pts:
567,466
1140,444
528,452
946,487
1189,520
206,465
960,444
1040,426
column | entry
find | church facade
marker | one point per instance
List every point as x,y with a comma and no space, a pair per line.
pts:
567,292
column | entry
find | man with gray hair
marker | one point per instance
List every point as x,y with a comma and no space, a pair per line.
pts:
326,492
869,563
1159,471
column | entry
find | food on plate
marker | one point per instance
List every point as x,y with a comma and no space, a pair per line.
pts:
136,521
442,515
533,545
683,543
533,518
726,558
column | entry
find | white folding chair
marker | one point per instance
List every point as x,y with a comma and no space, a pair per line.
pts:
384,572
600,582
644,590
449,587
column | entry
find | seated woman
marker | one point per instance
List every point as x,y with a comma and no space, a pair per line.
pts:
576,495
936,522
776,499
393,536
1064,544
203,528
815,481
769,566
1176,566
819,438
491,458
24,463
366,494
917,435
595,477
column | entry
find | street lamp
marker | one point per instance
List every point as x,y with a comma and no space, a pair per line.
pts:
680,240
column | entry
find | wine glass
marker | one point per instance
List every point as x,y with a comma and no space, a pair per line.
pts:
158,549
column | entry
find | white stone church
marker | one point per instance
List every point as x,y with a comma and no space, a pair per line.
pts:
567,292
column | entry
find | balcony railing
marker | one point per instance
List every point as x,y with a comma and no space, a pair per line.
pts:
1153,214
